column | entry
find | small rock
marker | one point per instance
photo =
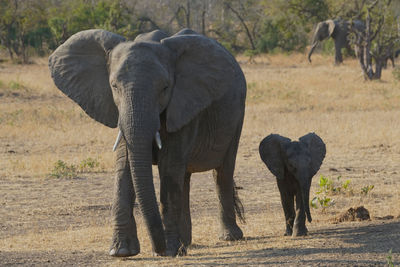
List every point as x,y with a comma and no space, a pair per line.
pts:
354,214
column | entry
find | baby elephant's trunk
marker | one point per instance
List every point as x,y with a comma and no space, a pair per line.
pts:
306,199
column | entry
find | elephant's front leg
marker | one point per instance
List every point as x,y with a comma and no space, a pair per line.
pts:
287,200
223,176
125,241
171,198
338,52
299,226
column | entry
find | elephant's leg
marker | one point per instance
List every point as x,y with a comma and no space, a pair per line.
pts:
338,52
125,241
287,200
299,226
223,177
186,222
171,198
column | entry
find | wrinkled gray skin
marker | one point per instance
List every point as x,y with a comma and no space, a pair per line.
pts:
294,163
187,87
337,29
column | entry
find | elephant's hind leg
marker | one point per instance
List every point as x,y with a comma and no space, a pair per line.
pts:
185,227
125,242
229,202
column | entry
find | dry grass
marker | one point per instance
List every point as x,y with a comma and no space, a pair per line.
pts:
49,221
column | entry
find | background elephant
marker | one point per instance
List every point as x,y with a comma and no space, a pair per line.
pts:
391,55
294,164
337,29
179,103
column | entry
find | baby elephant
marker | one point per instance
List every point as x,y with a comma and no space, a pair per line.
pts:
294,163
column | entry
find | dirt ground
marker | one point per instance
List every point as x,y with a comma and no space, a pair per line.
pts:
49,221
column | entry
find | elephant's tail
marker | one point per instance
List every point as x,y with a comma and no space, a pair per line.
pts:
238,204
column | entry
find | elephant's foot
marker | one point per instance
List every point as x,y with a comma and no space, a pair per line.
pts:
175,248
124,246
186,240
231,233
299,231
288,231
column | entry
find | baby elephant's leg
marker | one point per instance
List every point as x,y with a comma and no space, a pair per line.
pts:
299,226
287,200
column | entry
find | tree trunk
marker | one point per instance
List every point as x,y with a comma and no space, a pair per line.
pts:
253,47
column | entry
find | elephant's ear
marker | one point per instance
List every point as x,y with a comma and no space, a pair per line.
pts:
272,152
331,26
79,69
204,72
317,150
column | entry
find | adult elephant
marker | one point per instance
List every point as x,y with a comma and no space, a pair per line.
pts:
179,103
339,30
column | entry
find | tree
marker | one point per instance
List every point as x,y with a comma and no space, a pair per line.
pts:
380,39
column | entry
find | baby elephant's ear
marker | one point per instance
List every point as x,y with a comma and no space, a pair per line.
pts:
272,152
317,150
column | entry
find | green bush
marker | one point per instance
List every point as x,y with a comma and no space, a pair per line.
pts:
327,186
88,165
62,170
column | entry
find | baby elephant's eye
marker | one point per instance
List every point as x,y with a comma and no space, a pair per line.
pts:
113,84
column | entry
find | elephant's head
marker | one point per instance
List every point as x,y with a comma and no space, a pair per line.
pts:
299,159
323,30
132,85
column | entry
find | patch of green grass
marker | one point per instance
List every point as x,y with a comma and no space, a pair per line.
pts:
389,259
366,189
88,165
15,85
63,170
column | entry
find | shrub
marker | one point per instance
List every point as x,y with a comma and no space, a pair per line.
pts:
366,189
327,187
63,170
88,165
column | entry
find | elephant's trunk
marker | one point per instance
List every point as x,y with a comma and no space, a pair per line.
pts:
139,127
314,45
305,192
